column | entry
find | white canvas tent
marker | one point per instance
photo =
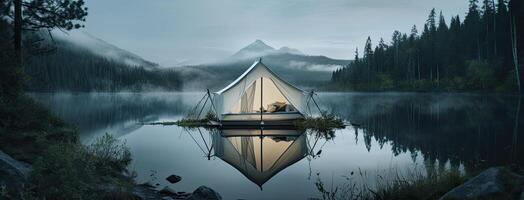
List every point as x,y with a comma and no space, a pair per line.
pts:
256,90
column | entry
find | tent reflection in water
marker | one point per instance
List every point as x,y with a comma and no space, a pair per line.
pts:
259,95
260,157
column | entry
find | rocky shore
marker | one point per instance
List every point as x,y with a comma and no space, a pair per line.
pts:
14,173
148,192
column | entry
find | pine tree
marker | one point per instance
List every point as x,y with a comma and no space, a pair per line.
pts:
472,28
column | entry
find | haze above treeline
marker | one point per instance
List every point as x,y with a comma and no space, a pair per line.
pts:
427,59
173,32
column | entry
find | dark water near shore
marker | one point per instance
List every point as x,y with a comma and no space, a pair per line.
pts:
393,132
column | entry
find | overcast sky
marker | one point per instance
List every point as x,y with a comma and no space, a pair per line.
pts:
171,31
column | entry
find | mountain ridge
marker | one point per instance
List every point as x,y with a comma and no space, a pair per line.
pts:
98,46
259,48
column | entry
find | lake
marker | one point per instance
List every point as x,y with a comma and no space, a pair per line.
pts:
391,133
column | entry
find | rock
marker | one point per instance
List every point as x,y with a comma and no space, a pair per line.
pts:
174,179
493,183
146,193
13,173
147,184
167,191
204,193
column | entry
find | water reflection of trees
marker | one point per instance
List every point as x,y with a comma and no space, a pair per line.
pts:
95,111
459,129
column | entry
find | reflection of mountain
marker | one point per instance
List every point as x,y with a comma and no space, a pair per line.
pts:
461,129
118,113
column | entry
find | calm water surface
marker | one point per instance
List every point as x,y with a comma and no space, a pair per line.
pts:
391,132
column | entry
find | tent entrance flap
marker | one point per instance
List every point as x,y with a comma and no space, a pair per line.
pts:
263,94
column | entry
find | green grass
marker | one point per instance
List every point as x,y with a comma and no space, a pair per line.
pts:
325,123
414,185
184,123
191,122
75,171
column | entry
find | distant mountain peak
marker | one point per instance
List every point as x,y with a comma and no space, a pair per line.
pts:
259,48
258,45
255,49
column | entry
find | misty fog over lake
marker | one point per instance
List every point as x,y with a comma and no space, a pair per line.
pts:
391,133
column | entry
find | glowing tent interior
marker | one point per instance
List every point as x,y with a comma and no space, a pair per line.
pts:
260,95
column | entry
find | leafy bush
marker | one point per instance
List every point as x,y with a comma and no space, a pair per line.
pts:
74,171
211,116
480,75
65,172
110,154
324,125
385,81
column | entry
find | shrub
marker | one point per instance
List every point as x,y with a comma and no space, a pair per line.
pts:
480,75
74,171
385,81
413,185
110,155
211,116
323,125
65,172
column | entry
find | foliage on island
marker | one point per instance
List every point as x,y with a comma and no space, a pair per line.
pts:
483,52
191,122
325,123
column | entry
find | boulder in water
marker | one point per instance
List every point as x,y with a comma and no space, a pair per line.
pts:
174,179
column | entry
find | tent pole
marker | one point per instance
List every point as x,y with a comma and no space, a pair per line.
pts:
202,109
261,150
192,112
313,98
213,104
261,100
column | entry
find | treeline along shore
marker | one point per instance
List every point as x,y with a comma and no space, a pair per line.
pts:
483,51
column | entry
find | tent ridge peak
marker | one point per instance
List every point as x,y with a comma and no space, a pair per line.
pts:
258,61
240,77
